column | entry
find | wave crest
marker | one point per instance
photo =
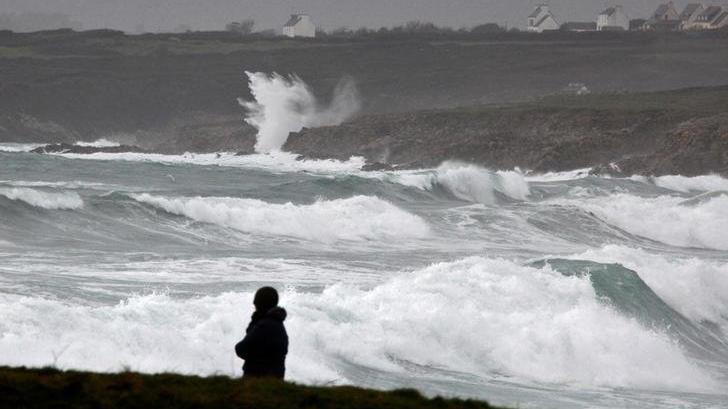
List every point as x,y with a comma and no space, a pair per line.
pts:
667,219
44,200
358,218
470,183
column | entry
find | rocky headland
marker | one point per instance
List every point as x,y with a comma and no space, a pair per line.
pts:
677,132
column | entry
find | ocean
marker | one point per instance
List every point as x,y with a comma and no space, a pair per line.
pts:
559,290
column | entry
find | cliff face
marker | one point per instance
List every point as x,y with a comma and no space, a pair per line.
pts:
671,132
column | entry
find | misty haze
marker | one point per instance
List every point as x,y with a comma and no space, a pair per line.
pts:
523,203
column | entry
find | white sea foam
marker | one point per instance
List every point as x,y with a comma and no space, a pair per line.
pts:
273,161
481,316
558,176
19,147
468,182
696,288
42,199
678,183
286,104
76,184
99,143
668,219
357,218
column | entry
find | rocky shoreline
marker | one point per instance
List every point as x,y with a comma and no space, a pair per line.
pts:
678,132
671,132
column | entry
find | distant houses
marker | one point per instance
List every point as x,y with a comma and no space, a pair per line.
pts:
299,25
666,17
542,19
695,16
690,15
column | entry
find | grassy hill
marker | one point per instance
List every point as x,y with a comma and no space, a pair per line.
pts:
50,388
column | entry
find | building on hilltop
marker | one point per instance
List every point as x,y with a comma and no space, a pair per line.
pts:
708,18
613,19
579,26
299,25
665,18
542,19
689,15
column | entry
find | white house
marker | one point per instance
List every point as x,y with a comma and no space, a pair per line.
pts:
542,19
665,18
299,25
613,18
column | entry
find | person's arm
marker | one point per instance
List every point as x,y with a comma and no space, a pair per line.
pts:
243,348
254,339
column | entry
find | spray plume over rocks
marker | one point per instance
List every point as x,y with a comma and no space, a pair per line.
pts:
286,104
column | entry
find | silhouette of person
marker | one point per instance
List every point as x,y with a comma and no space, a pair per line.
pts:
265,345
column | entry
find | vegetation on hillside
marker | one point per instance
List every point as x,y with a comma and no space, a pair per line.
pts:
50,388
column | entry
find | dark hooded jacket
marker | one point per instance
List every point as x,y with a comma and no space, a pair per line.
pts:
265,345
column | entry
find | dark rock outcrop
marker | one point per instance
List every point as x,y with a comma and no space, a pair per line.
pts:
68,148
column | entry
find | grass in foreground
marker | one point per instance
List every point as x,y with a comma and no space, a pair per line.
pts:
51,388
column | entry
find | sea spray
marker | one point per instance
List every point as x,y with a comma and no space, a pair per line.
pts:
286,104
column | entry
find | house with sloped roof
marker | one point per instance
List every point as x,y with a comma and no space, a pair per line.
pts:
541,19
665,18
689,15
299,25
613,18
706,19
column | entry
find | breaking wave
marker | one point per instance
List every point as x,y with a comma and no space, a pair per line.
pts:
488,317
470,183
286,104
99,143
696,288
685,184
703,224
358,218
44,200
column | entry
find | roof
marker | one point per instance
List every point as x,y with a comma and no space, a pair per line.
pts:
536,12
578,25
546,17
608,12
710,13
690,9
721,19
295,19
661,11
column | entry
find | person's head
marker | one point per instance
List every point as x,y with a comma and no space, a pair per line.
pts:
265,299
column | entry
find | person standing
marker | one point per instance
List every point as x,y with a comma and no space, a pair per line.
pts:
265,345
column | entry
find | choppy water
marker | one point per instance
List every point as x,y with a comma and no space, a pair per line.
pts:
558,290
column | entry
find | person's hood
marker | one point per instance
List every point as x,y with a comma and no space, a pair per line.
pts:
277,313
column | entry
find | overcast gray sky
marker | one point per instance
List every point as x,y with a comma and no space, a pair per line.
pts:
156,15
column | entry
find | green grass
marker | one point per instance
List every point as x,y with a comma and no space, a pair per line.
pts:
50,388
